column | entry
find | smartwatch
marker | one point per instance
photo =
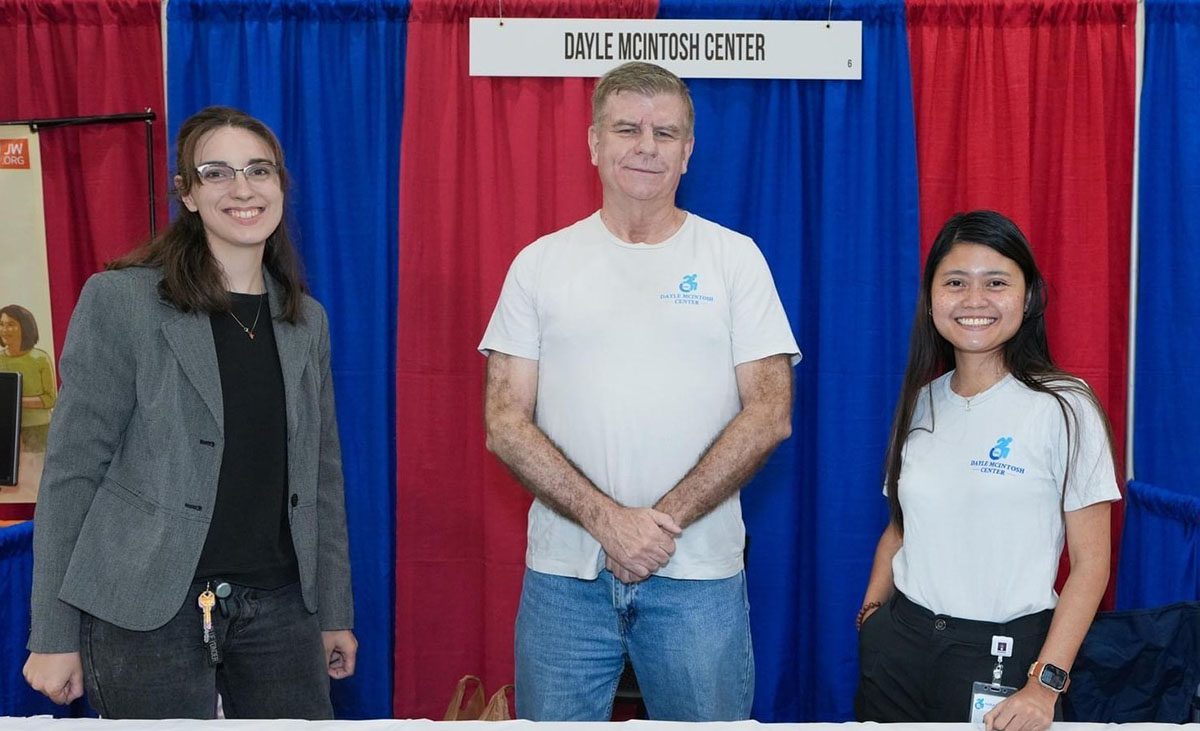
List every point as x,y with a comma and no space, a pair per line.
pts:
1050,676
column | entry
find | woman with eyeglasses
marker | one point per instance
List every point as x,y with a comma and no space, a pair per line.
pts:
190,533
997,458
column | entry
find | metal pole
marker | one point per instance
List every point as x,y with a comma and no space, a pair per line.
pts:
150,171
92,119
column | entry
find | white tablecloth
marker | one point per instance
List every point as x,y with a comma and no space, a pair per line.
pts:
89,724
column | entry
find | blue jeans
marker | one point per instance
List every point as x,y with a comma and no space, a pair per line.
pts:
273,663
688,642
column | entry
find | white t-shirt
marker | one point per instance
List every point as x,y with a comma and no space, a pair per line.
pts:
636,346
982,495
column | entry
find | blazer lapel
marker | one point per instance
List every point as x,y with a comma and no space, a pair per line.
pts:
293,344
190,338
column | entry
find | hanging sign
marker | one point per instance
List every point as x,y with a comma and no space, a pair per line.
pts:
725,49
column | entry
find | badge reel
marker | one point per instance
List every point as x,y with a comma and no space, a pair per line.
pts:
985,696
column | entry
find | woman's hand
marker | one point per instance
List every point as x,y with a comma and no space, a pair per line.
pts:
1029,709
341,651
58,676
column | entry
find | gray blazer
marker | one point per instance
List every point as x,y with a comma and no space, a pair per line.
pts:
134,453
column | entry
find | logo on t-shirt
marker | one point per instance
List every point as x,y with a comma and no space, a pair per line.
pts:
689,287
994,464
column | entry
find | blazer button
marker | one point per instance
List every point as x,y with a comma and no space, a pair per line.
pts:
295,499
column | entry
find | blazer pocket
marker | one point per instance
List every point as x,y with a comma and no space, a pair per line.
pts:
128,563
128,496
120,533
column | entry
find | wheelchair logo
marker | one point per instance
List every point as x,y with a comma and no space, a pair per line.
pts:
1001,450
688,284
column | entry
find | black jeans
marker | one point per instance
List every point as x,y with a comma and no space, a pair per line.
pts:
273,662
917,666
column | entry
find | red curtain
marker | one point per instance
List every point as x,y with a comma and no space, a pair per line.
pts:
83,58
487,166
1028,108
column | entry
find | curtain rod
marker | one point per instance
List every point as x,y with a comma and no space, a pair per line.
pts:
147,116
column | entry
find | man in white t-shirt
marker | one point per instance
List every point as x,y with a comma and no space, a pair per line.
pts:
639,373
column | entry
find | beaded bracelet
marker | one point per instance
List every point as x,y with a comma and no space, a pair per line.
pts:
863,612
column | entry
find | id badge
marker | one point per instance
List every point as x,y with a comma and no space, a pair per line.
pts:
985,697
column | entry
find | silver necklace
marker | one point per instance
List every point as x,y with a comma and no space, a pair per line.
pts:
249,330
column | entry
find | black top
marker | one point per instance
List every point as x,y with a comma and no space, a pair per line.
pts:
249,541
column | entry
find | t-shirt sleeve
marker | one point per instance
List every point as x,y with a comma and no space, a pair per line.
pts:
514,328
760,325
1091,477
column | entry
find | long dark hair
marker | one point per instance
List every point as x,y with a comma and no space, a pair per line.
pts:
1026,354
192,279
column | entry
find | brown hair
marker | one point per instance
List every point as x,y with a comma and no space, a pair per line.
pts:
646,79
29,328
192,279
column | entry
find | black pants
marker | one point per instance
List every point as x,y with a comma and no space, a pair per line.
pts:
917,666
273,662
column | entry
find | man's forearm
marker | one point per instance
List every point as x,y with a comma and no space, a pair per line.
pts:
546,472
639,539
727,465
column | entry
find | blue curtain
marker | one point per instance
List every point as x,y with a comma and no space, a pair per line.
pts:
1160,556
328,77
16,582
1167,396
1161,545
823,176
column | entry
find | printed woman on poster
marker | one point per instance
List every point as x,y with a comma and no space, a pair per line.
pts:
19,335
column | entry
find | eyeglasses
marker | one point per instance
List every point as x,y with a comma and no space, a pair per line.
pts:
218,173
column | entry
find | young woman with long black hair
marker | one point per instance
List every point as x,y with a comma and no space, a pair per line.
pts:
997,456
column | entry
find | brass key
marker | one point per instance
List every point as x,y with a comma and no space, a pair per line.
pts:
207,601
